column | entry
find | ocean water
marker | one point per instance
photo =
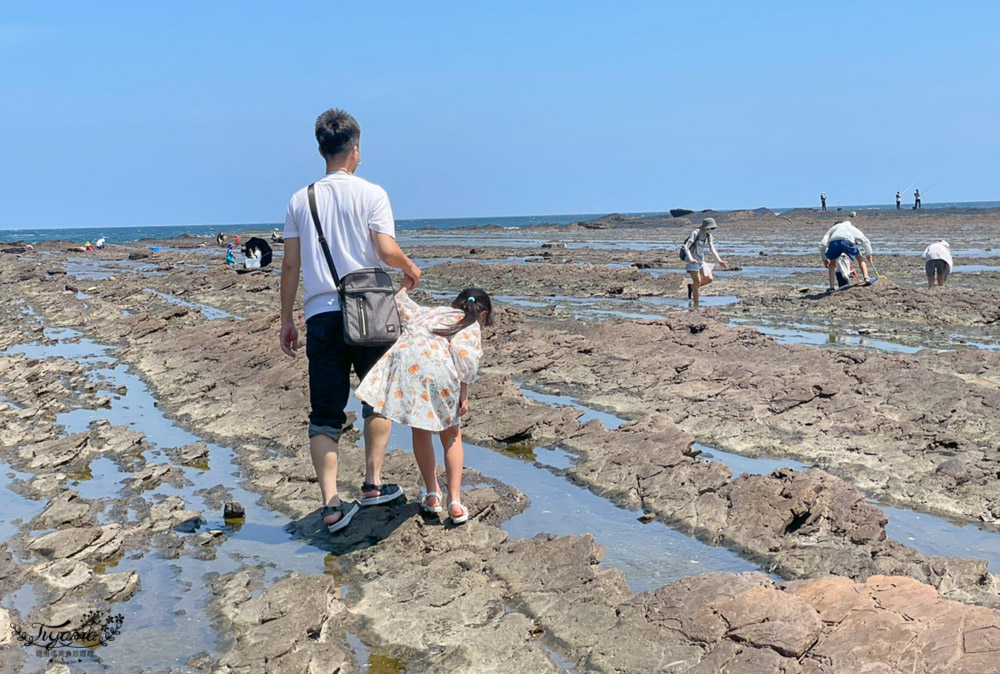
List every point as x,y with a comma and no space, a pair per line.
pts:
906,205
129,234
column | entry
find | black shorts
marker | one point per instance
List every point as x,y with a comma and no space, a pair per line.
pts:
330,363
939,267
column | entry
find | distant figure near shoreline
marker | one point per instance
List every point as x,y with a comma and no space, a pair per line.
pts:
916,199
822,201
899,200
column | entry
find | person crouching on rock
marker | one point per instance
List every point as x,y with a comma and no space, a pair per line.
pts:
843,239
423,380
694,252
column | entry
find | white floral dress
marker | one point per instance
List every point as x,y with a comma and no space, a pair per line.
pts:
417,382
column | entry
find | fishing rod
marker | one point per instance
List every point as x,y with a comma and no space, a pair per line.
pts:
934,185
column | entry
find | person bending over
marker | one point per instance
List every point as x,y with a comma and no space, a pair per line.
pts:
844,239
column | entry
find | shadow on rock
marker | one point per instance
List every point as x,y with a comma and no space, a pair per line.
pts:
369,527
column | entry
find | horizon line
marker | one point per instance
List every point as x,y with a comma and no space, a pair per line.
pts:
270,225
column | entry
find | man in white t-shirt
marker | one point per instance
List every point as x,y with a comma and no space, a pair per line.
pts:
358,226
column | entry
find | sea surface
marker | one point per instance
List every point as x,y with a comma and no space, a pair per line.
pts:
129,234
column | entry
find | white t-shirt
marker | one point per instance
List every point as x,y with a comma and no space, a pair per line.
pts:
939,251
350,208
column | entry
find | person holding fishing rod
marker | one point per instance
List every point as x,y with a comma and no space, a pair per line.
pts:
843,239
916,199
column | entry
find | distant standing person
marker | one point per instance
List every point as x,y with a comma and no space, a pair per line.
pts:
937,262
899,200
843,239
916,199
822,201
696,246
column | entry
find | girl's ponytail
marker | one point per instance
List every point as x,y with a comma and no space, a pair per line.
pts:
471,301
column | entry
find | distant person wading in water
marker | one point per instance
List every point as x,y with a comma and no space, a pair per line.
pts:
899,200
916,199
694,252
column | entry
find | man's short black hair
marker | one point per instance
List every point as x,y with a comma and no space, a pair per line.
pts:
337,132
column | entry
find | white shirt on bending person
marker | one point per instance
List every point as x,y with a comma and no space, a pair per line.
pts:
845,231
938,251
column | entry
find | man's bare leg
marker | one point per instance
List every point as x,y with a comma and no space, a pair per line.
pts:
323,450
377,430
831,267
864,269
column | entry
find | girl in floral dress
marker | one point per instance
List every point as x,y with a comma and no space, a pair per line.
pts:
422,381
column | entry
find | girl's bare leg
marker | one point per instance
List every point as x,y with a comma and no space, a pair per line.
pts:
423,451
695,285
454,458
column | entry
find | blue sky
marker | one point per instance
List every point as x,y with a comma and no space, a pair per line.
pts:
187,113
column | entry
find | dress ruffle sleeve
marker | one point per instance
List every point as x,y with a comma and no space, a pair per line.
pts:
408,309
466,351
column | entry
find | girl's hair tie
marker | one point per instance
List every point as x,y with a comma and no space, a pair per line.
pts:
472,299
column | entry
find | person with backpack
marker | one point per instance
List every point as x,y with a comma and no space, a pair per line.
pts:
694,252
358,229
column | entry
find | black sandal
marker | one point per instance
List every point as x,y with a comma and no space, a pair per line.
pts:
347,510
386,492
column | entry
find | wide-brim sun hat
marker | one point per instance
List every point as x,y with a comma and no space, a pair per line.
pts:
708,223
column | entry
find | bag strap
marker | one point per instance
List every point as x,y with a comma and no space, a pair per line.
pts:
319,232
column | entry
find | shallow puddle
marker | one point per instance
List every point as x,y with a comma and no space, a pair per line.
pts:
929,534
209,312
588,413
761,272
591,308
934,535
746,465
166,621
650,555
17,509
817,336
97,269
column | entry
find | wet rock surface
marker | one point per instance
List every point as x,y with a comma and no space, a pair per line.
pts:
883,421
924,435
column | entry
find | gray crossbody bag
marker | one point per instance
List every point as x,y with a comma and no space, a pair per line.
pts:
367,298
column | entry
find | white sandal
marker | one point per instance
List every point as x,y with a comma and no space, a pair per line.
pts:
427,508
461,519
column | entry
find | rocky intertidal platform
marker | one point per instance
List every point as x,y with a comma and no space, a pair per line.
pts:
896,426
402,592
